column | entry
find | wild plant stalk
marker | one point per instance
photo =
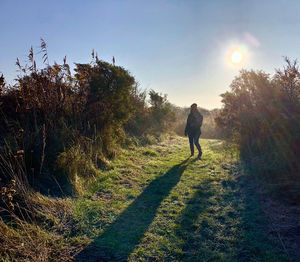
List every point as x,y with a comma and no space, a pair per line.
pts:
43,147
13,165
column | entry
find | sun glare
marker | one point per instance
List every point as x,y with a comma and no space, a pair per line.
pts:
236,57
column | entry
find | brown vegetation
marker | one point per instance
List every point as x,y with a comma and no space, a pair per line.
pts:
262,115
57,130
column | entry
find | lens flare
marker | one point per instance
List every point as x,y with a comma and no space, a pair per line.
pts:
237,55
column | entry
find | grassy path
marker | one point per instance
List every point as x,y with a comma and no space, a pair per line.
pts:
156,204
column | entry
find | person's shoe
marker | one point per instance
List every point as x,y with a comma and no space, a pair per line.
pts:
199,155
192,154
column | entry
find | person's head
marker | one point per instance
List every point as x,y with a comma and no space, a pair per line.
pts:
194,107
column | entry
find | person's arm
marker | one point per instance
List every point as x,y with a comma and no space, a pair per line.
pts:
200,119
187,126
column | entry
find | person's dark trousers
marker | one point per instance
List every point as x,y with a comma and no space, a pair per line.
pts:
194,139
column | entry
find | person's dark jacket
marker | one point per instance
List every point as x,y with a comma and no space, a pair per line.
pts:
194,123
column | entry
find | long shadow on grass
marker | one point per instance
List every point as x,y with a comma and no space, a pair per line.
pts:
121,237
193,237
223,221
206,226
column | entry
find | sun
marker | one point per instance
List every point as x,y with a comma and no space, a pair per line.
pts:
237,57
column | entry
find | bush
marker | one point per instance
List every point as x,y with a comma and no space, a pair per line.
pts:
261,114
150,121
69,125
49,110
78,166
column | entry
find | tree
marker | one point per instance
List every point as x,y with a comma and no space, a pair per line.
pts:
262,115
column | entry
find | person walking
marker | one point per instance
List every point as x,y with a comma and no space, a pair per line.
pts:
193,129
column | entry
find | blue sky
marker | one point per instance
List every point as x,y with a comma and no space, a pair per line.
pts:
177,47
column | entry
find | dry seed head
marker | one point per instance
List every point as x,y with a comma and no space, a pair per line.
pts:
12,191
2,80
4,190
13,182
9,197
20,154
11,206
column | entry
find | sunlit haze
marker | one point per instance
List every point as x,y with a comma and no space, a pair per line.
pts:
189,50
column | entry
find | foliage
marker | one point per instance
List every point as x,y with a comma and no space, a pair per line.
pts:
45,233
76,163
161,112
153,120
262,114
34,227
55,117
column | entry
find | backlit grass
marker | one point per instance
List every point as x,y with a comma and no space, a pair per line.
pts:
156,204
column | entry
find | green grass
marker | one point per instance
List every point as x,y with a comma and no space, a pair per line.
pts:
156,204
